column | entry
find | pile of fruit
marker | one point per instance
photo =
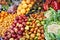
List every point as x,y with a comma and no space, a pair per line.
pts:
5,21
25,6
16,29
29,20
34,27
26,28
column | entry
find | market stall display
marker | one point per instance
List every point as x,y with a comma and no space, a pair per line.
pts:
29,19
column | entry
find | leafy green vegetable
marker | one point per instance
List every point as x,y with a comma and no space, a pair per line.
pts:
58,35
54,18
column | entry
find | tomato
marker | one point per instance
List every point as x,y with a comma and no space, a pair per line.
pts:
45,6
59,5
49,1
54,5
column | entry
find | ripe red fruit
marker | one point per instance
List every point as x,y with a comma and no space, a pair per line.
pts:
20,25
20,32
5,38
14,36
24,17
59,5
20,18
26,20
12,31
17,18
54,5
24,23
22,29
16,30
19,21
48,1
13,25
15,21
16,39
9,35
5,34
45,6
18,36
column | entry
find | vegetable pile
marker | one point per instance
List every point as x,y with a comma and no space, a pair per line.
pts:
52,26
34,27
16,29
5,21
29,19
26,28
55,4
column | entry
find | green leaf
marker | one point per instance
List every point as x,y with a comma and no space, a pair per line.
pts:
52,36
58,35
47,37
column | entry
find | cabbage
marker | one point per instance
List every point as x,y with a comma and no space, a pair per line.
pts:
52,25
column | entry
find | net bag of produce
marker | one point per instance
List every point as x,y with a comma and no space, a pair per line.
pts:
52,25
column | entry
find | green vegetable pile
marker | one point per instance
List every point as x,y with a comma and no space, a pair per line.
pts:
52,25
